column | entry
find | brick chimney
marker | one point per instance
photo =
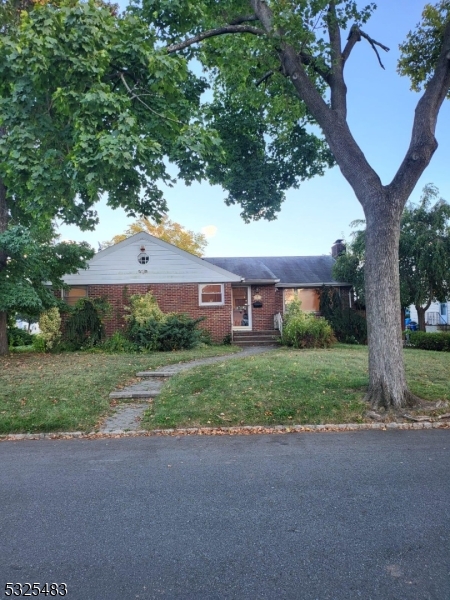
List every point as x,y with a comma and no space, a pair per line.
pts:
338,248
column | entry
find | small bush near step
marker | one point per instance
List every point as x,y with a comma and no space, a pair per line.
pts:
430,341
304,330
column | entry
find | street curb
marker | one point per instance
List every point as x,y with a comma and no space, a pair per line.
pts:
219,431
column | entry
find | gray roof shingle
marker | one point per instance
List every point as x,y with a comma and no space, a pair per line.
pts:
301,270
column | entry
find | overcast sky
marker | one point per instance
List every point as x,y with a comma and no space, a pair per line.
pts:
381,110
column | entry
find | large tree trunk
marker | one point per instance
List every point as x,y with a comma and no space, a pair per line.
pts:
387,382
3,258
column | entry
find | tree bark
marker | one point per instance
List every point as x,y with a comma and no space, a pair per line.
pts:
387,382
3,259
421,317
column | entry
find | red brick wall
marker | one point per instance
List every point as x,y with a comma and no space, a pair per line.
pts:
272,302
171,297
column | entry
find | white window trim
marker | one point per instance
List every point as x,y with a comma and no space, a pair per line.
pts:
222,291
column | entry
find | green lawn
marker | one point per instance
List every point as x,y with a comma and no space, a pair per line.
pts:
70,391
287,386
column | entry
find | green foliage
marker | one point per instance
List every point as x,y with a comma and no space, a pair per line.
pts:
143,307
304,330
430,341
19,337
179,332
84,327
39,344
173,332
50,326
91,105
227,339
35,259
425,249
421,50
143,336
117,343
349,327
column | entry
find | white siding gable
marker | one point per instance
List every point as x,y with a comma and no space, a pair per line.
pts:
167,264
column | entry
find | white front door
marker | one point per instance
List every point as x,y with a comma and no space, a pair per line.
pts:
242,308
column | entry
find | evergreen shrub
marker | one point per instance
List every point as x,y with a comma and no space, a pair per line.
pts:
349,327
84,327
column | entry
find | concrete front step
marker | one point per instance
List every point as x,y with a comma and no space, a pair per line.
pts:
273,332
155,373
256,338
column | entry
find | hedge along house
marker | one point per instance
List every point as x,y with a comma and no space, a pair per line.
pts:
239,297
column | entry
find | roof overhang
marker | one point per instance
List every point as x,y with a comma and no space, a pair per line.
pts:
258,281
313,285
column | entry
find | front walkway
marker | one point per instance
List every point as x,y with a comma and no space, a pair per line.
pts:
128,415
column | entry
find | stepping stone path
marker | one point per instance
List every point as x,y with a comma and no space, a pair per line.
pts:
128,415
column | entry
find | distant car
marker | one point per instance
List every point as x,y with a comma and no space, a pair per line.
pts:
411,325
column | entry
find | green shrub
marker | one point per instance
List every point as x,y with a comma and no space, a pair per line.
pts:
430,341
39,343
303,330
178,332
118,343
173,332
84,327
349,327
19,337
50,326
143,308
143,336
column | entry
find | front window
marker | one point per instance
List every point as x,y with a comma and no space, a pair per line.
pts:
309,298
211,294
73,294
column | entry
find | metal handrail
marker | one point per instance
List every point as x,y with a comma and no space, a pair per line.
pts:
278,322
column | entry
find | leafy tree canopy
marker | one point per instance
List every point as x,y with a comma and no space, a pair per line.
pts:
90,104
37,263
166,230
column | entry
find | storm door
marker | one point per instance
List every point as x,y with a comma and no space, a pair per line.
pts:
242,313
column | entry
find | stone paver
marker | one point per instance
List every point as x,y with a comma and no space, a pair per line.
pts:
170,370
144,389
127,416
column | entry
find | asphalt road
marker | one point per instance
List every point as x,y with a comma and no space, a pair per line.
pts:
300,516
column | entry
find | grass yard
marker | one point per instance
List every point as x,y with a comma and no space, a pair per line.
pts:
287,386
70,391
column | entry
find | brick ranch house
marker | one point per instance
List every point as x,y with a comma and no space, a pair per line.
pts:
238,296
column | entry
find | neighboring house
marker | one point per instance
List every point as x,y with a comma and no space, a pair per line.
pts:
437,314
234,294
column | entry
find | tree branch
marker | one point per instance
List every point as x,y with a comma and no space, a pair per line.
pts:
307,59
133,96
423,143
265,77
336,77
374,45
213,33
243,19
353,38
